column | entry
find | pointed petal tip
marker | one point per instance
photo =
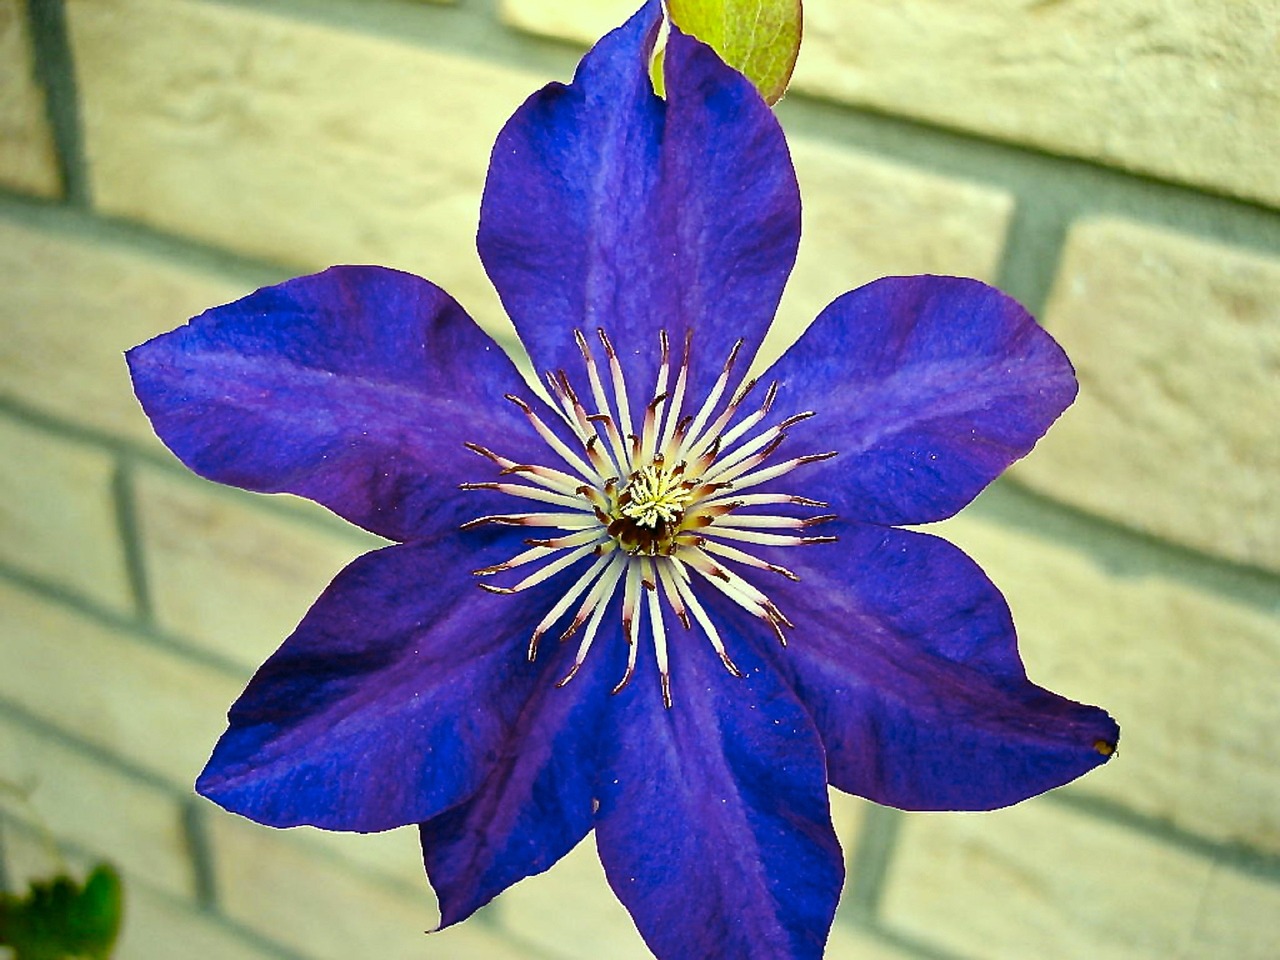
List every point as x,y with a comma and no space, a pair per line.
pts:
916,446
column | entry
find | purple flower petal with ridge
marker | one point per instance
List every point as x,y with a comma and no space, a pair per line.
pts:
929,387
355,387
713,826
389,702
537,802
608,206
906,657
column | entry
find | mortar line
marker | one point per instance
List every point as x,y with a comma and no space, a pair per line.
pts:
1036,175
1120,550
1031,253
200,851
6,878
1233,856
280,506
124,495
869,863
470,29
55,71
95,753
141,633
138,239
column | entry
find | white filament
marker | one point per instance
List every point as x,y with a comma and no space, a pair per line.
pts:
673,501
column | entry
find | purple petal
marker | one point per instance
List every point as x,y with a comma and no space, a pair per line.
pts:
536,804
928,387
905,654
713,827
355,387
609,207
391,701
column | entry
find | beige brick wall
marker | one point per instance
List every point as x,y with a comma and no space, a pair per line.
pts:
299,142
27,159
57,514
1083,153
1040,881
1175,88
1178,343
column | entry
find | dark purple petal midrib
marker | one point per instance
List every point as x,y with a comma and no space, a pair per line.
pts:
750,868
955,385
406,668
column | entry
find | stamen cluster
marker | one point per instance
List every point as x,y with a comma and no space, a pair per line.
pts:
656,510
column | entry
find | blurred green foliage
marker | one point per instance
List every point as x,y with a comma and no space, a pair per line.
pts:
60,920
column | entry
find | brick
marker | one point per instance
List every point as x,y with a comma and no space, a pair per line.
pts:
310,145
157,926
63,343
1177,344
150,706
1180,89
851,943
599,926
1237,918
227,575
865,218
394,855
57,514
28,162
1038,881
1192,678
565,19
97,808
301,899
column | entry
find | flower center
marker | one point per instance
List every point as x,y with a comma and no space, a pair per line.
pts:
655,510
650,510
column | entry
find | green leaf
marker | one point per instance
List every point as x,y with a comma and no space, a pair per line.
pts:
59,920
761,38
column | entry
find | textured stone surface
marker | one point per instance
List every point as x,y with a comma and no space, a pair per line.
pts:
865,218
565,19
394,855
158,927
1181,89
96,808
1193,680
1037,881
851,943
63,344
1176,432
310,903
27,160
596,926
230,577
57,515
303,143
154,708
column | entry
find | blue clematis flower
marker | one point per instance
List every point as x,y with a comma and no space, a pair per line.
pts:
698,610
